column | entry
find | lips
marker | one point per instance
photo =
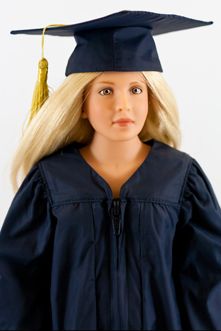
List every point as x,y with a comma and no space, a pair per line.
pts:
124,120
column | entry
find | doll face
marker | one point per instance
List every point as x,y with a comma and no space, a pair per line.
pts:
114,95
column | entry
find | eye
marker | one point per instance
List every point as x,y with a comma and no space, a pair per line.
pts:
106,89
137,88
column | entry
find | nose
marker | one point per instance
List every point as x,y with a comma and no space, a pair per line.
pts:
122,101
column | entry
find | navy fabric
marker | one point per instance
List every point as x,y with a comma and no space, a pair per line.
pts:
121,41
72,257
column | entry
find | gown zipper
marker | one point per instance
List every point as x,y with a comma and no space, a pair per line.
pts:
116,216
116,225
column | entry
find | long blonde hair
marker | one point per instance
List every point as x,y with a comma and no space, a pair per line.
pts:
59,121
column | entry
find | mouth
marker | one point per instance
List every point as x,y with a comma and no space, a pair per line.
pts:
123,121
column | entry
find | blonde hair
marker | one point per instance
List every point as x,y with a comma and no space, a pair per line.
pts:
59,121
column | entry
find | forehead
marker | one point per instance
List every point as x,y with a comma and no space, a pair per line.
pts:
116,76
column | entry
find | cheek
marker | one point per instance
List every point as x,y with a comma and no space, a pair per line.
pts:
97,107
141,106
98,116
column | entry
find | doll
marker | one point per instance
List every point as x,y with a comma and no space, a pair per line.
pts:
112,227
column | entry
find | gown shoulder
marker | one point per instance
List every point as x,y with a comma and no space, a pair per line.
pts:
197,253
25,251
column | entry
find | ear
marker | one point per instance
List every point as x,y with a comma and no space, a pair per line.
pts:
83,113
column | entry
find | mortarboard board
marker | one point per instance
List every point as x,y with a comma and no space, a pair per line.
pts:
122,41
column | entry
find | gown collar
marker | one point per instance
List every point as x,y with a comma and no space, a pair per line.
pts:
132,179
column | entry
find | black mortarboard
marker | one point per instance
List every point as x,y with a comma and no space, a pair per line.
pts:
122,41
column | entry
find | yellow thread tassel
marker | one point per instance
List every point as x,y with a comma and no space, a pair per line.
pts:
41,91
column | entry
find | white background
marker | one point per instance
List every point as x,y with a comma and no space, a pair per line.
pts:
190,60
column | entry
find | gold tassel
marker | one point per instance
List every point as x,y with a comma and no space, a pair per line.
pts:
41,91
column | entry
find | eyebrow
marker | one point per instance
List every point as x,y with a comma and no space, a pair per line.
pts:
136,82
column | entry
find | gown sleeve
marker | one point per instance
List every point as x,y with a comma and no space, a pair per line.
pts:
197,254
25,258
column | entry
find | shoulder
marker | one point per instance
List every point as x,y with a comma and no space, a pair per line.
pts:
162,154
170,153
169,162
165,171
63,158
61,172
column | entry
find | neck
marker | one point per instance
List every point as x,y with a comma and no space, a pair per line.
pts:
115,154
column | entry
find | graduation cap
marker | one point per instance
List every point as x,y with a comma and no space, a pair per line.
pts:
122,41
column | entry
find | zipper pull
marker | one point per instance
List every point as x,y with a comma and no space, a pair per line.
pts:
115,215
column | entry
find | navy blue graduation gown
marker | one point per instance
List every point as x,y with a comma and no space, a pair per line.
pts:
72,257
